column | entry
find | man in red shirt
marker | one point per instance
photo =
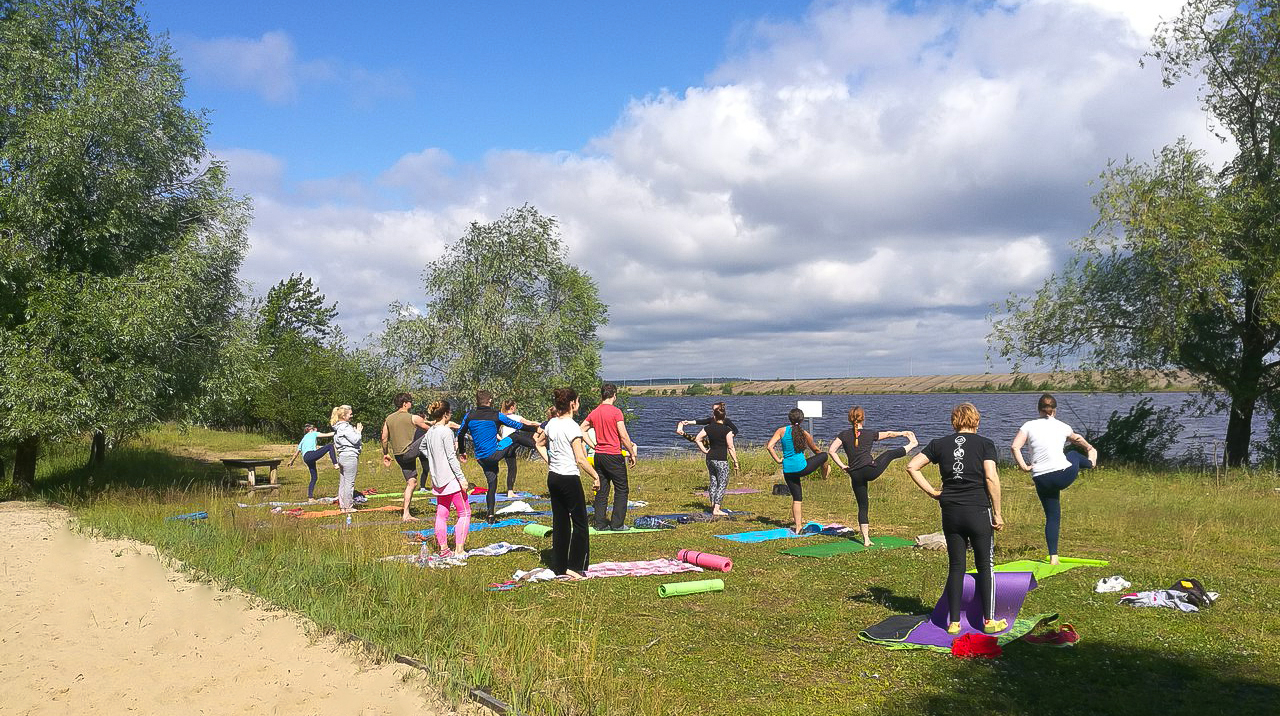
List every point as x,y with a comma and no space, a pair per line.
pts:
611,438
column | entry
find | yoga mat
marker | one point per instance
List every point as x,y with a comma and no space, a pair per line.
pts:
593,531
734,491
331,513
810,529
890,632
705,560
189,516
677,589
1011,590
537,530
847,546
1043,569
475,527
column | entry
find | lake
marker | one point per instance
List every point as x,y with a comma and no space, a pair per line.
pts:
928,414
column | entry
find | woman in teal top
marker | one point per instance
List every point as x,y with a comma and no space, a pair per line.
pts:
795,440
311,454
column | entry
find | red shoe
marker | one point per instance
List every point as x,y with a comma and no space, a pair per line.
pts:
1064,635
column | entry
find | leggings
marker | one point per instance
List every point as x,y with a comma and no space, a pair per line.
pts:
1049,487
309,459
489,466
965,526
793,478
520,438
570,538
860,476
718,480
458,502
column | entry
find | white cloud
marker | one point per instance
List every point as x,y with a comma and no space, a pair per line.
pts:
270,67
847,193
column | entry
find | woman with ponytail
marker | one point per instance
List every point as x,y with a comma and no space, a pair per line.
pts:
448,483
716,442
863,468
561,443
795,440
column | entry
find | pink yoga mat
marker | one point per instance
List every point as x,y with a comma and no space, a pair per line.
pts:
705,560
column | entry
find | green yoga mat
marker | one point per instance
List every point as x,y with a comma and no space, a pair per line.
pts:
846,546
677,589
1044,569
537,530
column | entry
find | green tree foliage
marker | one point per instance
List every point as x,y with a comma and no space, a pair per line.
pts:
1142,436
726,388
296,307
119,242
697,389
1181,270
505,312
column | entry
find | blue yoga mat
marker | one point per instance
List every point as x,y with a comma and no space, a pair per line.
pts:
810,529
475,527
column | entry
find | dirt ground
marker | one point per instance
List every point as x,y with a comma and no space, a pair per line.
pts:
95,627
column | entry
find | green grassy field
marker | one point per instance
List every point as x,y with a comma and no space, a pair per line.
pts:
782,637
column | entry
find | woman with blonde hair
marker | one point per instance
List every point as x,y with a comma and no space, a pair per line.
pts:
347,441
862,467
970,501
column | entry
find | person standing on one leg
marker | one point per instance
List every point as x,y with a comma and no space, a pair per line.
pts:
716,442
510,439
562,446
397,439
347,441
610,439
794,441
448,483
1052,470
482,423
970,501
706,421
863,468
311,454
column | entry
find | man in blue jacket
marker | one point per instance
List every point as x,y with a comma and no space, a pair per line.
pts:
482,423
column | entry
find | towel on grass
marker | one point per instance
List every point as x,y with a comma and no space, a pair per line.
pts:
600,570
426,558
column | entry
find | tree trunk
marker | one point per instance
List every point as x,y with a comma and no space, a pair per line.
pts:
24,462
98,447
1239,432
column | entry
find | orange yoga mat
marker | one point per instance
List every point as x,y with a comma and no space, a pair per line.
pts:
331,513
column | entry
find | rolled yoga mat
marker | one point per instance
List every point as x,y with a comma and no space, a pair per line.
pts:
1011,590
705,560
677,589
537,530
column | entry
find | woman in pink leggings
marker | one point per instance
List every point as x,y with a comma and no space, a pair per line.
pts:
448,483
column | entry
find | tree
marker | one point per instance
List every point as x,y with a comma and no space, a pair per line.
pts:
295,306
1181,269
119,242
505,312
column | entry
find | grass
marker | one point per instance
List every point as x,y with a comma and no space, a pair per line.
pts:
782,637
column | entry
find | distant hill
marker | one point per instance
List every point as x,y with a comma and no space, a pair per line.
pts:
974,383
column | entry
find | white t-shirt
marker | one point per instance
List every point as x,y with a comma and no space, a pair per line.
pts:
561,432
504,430
1046,437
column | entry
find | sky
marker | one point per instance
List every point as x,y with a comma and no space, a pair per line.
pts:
759,189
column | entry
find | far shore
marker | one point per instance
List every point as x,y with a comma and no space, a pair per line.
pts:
972,383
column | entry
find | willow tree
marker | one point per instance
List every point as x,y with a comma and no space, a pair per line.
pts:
1182,269
505,311
119,242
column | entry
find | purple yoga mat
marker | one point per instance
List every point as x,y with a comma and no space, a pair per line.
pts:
1011,591
734,491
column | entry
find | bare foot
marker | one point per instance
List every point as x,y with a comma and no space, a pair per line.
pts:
867,543
1093,457
575,576
911,441
349,510
720,513
511,495
408,518
1053,559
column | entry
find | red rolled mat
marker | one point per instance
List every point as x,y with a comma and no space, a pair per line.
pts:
706,561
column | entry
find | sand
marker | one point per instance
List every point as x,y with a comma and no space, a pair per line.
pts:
93,627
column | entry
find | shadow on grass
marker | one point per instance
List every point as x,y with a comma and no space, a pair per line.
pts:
64,477
1034,679
886,598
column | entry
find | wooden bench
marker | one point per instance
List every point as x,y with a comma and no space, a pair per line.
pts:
251,466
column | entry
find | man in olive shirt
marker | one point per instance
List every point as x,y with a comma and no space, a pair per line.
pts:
397,439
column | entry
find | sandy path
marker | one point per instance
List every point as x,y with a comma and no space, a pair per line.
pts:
102,627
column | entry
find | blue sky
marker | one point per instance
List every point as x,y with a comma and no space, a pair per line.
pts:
839,188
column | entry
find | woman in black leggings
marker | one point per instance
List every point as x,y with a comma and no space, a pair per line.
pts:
794,441
970,500
863,468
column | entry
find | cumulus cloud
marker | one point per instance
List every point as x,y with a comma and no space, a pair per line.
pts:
845,194
270,67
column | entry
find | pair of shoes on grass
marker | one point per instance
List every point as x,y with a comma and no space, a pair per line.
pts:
1064,635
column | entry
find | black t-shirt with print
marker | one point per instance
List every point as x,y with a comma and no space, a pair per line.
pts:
959,458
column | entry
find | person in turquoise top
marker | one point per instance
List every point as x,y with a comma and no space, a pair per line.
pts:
794,441
311,454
